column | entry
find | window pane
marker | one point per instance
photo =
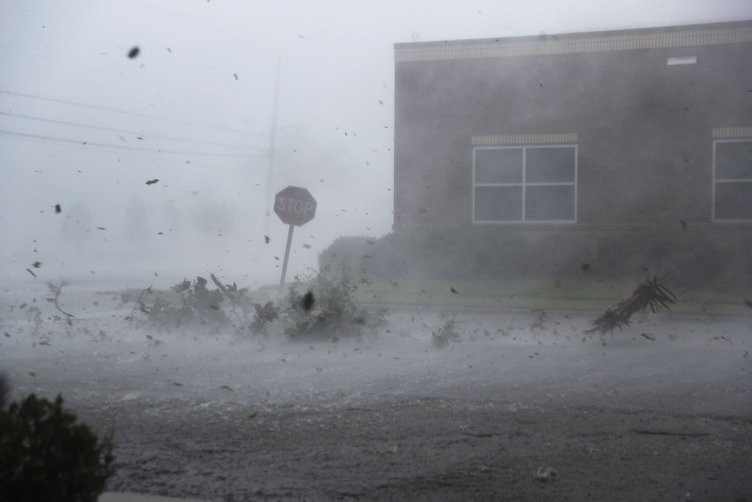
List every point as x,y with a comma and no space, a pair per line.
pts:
733,201
733,160
549,203
550,164
503,165
498,203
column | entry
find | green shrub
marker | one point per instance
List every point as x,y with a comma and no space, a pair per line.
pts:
194,303
47,455
453,252
694,258
263,316
326,307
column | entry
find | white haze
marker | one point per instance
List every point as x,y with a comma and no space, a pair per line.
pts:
85,126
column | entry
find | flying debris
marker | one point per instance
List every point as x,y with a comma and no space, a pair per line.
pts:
133,53
454,291
308,300
266,239
683,224
651,293
32,273
151,182
235,75
58,209
101,228
36,264
585,267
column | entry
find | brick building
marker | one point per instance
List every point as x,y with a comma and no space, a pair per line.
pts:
594,130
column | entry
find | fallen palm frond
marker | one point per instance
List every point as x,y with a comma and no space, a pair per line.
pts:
650,293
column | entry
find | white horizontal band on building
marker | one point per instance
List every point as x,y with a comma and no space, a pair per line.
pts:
732,132
526,139
568,44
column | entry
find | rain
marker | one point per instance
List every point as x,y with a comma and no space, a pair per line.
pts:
310,250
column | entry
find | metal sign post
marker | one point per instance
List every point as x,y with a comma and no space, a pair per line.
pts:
287,257
296,207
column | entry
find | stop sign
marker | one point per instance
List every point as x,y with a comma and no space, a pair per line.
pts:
295,205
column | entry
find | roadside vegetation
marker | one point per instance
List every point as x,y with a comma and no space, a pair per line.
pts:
707,269
324,305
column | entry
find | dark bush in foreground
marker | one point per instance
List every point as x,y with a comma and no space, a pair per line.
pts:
4,391
47,455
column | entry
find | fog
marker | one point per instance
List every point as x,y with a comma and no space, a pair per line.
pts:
215,86
143,142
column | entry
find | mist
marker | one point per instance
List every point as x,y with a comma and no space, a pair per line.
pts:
439,335
213,88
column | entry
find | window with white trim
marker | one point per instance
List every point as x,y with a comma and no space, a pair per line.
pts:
525,184
732,180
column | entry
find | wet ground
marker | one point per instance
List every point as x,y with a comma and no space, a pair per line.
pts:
517,406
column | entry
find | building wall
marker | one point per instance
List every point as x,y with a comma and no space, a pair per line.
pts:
644,129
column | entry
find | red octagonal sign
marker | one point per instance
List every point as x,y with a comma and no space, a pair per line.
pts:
295,205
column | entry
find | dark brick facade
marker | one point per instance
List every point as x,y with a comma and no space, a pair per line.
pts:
644,128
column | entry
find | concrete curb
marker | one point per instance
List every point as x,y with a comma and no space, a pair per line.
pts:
140,497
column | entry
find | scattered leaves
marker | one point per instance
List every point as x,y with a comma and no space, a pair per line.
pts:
151,182
58,209
133,53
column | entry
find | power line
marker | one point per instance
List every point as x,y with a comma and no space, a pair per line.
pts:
122,147
117,110
124,131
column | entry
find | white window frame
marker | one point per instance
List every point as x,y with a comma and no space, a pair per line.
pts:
524,184
716,181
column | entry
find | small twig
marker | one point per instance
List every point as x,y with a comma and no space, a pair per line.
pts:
57,291
233,299
141,305
221,287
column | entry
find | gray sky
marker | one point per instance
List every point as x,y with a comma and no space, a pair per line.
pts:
85,126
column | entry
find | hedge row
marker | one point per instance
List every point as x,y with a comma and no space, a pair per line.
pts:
704,256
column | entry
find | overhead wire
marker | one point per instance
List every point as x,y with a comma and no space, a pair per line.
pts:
81,143
116,110
139,135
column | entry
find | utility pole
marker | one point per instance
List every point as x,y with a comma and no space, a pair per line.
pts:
272,147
